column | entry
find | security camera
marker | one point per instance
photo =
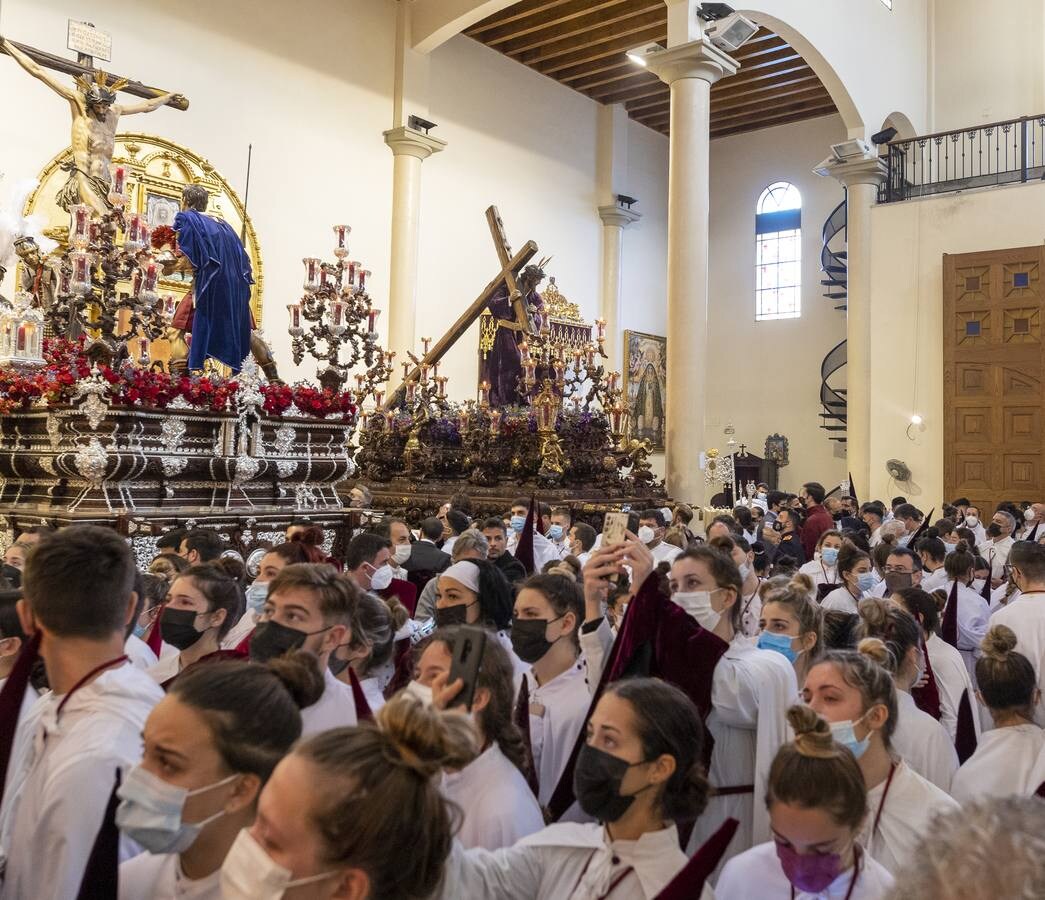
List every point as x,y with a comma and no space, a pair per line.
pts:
732,32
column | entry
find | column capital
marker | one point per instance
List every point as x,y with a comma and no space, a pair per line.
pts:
407,142
616,215
851,172
697,59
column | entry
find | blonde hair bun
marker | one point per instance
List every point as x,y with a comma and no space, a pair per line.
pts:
999,642
425,739
813,736
875,650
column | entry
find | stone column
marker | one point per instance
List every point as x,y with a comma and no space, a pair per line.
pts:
861,178
410,148
689,69
614,220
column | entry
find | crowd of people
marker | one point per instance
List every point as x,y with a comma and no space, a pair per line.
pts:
806,695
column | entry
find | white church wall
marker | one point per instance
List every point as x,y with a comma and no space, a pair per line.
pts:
764,377
987,61
908,241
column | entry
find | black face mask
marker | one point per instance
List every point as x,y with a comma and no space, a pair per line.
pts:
596,784
452,615
898,581
270,639
993,530
178,627
337,666
528,638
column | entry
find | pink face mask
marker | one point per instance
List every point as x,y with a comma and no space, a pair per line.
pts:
810,872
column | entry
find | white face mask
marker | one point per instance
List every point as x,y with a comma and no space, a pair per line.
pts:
381,578
150,812
698,605
745,570
418,691
402,553
647,535
972,521
249,873
1029,515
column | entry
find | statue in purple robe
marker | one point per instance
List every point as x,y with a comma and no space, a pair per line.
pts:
502,367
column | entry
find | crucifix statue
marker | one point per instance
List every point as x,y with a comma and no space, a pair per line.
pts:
511,297
95,117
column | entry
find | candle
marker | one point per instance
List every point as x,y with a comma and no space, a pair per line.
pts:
119,180
21,338
389,356
63,281
360,378
311,273
495,421
600,325
484,394
150,277
352,272
379,397
411,391
79,225
524,351
143,349
372,315
341,233
136,283
426,342
560,372
323,276
294,309
440,381
363,276
611,380
435,369
406,370
336,308
424,373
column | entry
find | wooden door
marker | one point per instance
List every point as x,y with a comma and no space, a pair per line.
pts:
993,366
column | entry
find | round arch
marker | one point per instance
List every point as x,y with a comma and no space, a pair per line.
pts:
851,117
902,124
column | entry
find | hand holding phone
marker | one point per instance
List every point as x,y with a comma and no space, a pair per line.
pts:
466,662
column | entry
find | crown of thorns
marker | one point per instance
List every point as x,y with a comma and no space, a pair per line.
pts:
101,88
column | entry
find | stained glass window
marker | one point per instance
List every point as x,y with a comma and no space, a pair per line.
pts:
778,253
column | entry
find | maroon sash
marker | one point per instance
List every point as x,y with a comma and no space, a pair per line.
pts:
927,697
363,711
689,882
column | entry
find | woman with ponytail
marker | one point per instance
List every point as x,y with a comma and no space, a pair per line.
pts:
1005,759
639,773
498,805
356,812
857,697
817,805
920,739
790,622
368,654
857,580
973,612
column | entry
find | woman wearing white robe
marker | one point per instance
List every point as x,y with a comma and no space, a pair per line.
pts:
921,741
811,824
854,693
973,610
948,667
856,577
214,739
641,730
1007,757
823,567
497,805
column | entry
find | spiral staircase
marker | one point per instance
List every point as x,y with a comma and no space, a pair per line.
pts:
834,266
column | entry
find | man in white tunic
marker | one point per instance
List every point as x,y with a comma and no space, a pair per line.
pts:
652,527
998,545
78,596
309,607
1026,614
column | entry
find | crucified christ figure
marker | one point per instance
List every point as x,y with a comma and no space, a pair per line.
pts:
95,116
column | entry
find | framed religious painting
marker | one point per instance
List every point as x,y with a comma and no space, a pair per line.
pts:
645,386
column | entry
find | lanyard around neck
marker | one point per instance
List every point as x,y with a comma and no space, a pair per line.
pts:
86,678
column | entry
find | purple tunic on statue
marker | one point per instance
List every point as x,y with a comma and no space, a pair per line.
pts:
502,367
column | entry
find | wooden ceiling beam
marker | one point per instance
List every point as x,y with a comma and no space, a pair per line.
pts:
803,76
759,92
793,94
620,34
613,48
815,98
757,121
576,17
514,13
652,88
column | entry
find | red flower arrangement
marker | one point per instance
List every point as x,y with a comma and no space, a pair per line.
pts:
163,236
131,386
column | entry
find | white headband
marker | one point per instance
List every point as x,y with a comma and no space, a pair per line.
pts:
465,572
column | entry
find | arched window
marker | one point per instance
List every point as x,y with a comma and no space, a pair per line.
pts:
778,253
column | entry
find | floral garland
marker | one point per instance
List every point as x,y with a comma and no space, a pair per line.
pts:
66,364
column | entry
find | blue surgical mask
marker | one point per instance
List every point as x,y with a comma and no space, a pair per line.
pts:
139,631
257,594
844,733
517,523
865,581
781,643
150,812
555,533
829,555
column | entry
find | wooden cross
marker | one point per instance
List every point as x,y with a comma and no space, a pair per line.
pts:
511,266
61,64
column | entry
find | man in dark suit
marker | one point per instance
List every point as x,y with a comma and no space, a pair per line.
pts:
426,560
788,525
497,537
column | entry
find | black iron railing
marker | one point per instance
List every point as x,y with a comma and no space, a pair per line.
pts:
981,156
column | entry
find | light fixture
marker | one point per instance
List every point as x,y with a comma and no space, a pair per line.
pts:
855,149
916,421
418,124
638,54
625,202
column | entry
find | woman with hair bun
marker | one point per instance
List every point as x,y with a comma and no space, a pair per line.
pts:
639,773
973,611
817,805
355,812
1007,757
209,747
369,651
894,640
857,697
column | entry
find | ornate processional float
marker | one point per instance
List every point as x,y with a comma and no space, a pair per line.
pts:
105,418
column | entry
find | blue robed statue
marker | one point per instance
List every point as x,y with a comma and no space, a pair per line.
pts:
222,320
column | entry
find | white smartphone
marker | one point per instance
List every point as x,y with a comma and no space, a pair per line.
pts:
614,528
